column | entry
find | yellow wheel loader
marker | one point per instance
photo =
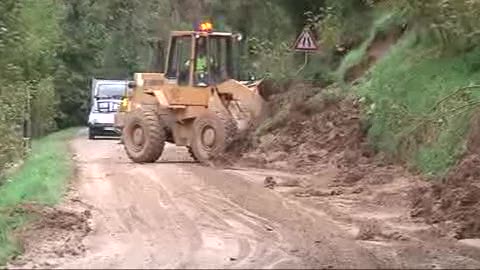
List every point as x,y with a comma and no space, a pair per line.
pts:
196,102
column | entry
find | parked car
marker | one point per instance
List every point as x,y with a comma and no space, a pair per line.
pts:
105,102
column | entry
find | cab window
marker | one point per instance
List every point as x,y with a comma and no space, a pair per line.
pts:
221,53
179,60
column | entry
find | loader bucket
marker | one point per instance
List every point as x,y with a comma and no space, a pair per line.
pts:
248,106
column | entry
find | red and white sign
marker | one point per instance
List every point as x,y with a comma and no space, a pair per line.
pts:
306,42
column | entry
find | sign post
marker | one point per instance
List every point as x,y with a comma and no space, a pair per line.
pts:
305,43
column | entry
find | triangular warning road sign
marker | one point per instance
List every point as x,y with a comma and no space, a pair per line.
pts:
306,42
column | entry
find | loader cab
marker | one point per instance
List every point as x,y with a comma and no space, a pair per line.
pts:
201,58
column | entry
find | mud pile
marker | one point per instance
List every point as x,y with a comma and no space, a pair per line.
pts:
318,132
313,132
453,203
57,232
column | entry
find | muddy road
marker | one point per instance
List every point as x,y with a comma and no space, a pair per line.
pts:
178,214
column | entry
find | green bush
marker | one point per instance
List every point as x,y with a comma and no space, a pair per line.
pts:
453,24
43,107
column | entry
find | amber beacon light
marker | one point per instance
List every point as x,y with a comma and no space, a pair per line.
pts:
206,27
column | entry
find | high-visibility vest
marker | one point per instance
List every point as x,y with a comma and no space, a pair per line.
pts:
201,64
124,104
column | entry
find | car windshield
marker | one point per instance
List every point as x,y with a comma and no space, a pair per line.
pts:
114,91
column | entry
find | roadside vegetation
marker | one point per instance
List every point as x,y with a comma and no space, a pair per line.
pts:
42,180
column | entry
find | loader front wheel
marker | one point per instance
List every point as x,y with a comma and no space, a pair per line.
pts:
212,133
144,136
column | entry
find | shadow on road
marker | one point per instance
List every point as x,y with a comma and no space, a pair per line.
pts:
161,162
176,162
106,139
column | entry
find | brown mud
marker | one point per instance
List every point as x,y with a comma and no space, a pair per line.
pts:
333,138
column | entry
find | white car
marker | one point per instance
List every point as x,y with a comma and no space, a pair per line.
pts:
106,99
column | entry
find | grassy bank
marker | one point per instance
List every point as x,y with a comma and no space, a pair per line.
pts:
358,56
41,179
420,103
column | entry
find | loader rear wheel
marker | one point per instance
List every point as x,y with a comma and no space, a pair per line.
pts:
144,136
212,134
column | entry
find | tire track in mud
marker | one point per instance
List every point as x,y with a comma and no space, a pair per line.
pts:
253,242
311,237
162,215
402,242
220,218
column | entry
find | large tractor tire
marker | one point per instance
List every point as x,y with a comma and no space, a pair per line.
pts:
144,136
212,134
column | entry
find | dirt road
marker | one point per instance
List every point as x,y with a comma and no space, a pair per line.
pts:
178,214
